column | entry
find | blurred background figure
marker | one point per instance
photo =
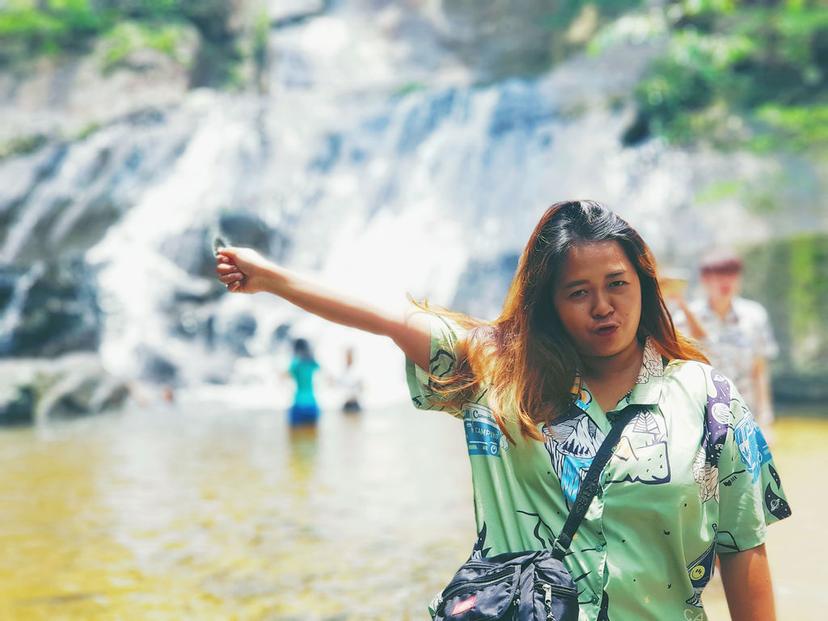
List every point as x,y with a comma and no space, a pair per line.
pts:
305,410
351,384
735,332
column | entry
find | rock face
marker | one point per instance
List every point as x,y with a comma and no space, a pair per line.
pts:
49,310
66,387
16,405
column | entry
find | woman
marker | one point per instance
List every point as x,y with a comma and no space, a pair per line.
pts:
303,366
583,334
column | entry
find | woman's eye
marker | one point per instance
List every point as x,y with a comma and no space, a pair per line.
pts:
618,283
577,294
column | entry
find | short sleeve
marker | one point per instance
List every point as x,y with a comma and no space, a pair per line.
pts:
750,490
445,335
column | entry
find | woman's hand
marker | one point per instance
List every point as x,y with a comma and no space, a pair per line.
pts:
243,270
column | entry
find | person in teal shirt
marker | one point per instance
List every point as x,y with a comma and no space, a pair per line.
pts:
303,366
584,334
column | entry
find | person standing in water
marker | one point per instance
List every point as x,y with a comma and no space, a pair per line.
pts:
351,385
303,366
583,336
734,332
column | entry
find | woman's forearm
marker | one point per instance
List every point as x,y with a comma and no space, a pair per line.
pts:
243,270
326,302
747,584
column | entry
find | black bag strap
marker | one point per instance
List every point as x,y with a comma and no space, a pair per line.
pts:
590,484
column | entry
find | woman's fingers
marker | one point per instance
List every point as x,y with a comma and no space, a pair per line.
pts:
226,268
228,279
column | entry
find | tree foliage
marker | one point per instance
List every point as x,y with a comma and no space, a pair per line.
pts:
739,72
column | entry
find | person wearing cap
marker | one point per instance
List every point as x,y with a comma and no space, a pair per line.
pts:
734,332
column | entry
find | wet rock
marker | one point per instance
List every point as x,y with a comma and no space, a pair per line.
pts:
281,334
239,330
16,405
49,309
246,229
157,368
34,389
192,251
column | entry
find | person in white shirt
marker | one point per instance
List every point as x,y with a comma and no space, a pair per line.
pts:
734,332
351,385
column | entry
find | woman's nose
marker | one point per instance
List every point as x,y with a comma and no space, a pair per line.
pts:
602,307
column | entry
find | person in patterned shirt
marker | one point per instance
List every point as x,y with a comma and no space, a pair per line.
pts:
735,333
585,334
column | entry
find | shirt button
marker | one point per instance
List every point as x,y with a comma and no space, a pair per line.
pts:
595,599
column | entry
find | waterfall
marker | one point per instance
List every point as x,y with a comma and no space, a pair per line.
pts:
384,169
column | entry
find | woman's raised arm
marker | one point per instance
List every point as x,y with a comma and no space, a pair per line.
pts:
244,270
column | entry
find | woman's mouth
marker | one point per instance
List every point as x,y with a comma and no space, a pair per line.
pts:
608,330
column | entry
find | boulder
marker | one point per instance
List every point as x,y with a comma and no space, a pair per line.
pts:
34,389
49,309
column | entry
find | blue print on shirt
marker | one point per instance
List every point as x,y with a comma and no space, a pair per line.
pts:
483,436
572,444
753,448
572,473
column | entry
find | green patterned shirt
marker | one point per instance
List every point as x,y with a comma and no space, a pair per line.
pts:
691,477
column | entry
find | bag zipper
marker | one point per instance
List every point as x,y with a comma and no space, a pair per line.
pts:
559,590
547,600
471,584
548,590
550,578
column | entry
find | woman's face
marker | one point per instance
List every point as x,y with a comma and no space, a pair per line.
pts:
598,298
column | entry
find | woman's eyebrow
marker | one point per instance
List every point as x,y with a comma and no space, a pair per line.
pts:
578,283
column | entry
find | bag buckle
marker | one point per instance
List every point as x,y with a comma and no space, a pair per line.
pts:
557,547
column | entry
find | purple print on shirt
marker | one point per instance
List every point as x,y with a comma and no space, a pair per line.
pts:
717,419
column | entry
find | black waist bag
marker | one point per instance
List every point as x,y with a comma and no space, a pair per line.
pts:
528,586
522,586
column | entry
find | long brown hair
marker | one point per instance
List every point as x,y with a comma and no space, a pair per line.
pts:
526,354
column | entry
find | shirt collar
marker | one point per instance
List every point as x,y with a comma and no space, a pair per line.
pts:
647,389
